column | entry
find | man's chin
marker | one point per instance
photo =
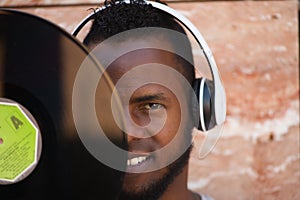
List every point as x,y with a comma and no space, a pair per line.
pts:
148,190
152,185
141,185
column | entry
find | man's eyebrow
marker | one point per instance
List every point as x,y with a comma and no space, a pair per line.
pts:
150,97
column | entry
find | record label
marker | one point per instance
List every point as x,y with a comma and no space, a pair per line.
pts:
19,137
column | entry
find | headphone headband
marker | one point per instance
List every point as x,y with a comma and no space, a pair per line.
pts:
218,95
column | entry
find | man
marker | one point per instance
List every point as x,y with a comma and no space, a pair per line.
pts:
158,105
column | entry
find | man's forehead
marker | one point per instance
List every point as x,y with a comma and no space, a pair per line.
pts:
144,56
156,60
112,48
151,78
145,92
136,74
139,53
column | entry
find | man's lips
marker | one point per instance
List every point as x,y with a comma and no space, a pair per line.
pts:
138,162
135,161
140,155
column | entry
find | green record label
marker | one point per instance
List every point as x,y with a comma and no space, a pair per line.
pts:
18,143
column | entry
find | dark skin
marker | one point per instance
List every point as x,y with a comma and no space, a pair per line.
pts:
159,102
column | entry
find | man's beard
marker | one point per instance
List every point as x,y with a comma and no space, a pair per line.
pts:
156,189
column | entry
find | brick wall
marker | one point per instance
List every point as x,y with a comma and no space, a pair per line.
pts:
256,46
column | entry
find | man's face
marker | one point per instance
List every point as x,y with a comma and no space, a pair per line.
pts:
154,116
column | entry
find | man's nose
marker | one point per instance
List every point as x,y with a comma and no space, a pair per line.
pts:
134,130
137,127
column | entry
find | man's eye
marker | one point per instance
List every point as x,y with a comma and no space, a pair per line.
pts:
153,106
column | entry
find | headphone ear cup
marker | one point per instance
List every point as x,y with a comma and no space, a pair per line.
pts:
195,104
202,89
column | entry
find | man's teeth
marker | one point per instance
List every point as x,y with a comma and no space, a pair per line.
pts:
135,161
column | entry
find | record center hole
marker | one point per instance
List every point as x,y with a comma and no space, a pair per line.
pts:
1,141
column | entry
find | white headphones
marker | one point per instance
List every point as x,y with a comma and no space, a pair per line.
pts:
210,94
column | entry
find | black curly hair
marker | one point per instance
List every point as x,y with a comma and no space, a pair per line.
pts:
119,16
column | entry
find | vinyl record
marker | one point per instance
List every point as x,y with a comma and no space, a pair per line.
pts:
41,153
